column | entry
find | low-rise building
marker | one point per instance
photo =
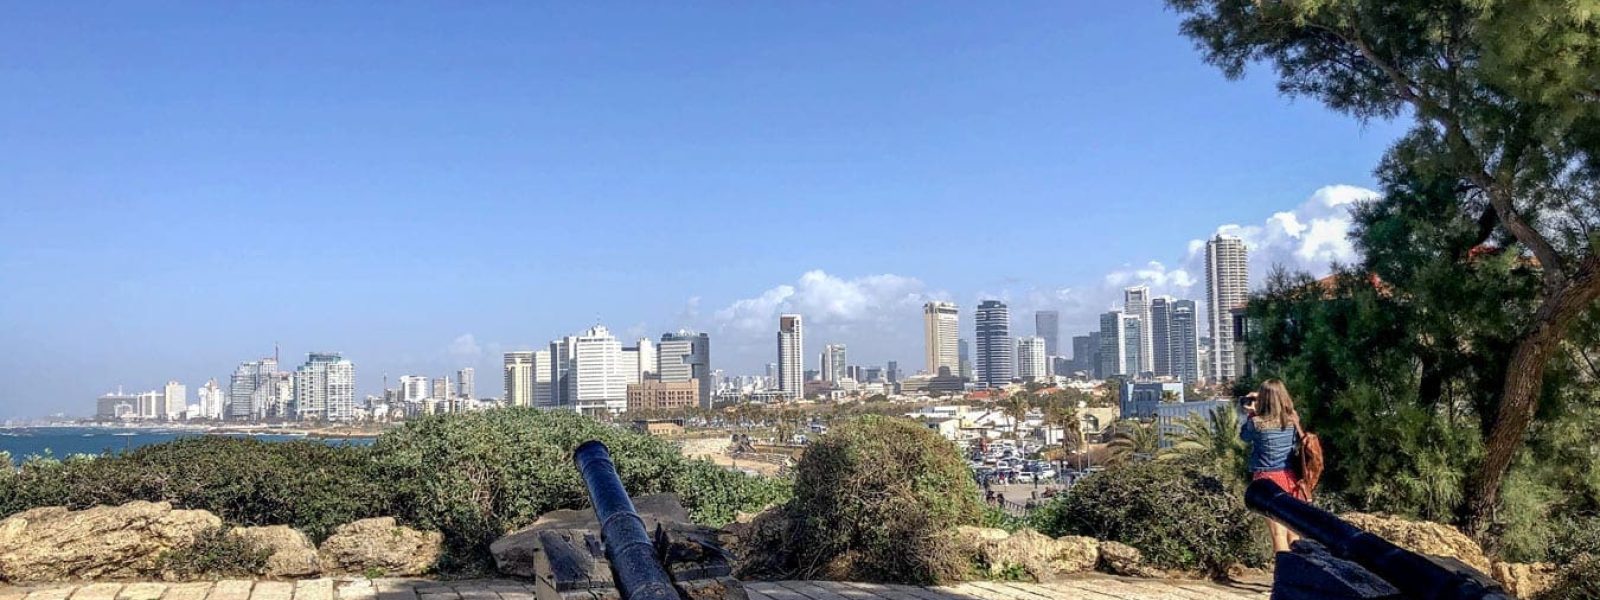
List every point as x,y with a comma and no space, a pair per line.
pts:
657,394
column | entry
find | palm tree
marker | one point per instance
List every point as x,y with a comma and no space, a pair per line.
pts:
1060,414
1133,440
1215,437
1016,407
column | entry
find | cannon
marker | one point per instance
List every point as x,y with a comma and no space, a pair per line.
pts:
635,566
1412,574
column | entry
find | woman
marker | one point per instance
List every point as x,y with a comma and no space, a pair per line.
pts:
1273,431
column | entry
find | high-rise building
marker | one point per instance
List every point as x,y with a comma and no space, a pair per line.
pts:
1083,349
1119,344
639,360
941,330
893,373
995,348
1031,358
686,356
834,365
116,405
519,382
791,356
1132,342
440,389
175,398
249,389
589,373
414,389
964,355
150,404
542,380
1159,325
1183,343
1227,287
325,388
467,383
1047,325
213,403
1136,302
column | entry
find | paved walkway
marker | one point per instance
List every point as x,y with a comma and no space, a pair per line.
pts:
1088,587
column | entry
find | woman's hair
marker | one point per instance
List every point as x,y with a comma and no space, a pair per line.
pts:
1274,406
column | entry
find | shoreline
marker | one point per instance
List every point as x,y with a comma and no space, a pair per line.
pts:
219,429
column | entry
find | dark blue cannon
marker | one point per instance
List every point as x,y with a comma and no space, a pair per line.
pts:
1414,575
635,564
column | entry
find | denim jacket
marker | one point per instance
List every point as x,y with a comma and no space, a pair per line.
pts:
1269,447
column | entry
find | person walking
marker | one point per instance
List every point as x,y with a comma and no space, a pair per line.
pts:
1272,429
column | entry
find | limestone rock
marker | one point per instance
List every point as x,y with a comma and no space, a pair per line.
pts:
53,543
1526,580
1076,554
293,555
1121,559
1041,557
380,544
1423,537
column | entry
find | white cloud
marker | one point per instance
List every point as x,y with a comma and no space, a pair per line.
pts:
465,346
1309,238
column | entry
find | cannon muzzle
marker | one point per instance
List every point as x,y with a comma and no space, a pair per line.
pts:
635,566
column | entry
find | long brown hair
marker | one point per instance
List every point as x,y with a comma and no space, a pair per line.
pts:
1274,406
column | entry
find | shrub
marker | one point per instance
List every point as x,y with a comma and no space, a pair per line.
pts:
310,485
477,476
214,554
875,500
1579,581
1178,513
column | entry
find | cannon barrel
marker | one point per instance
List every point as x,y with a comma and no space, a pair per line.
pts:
1413,574
634,565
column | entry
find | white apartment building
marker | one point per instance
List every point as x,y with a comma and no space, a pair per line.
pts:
175,399
519,379
791,356
590,373
941,331
325,388
1136,302
1227,287
1032,359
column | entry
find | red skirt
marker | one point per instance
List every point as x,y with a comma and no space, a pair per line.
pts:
1286,481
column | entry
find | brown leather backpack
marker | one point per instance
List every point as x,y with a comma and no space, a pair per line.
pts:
1308,463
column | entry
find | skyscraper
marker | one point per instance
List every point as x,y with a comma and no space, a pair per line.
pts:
519,381
175,399
1047,325
1159,325
941,330
467,383
1227,287
590,375
1113,353
686,356
1136,302
1183,341
542,391
995,349
834,364
965,356
1031,358
791,356
325,388
1083,349
249,389
1133,340
213,403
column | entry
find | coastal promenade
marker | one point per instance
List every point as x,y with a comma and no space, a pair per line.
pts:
1088,587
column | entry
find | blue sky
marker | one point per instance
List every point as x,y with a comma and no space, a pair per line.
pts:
424,185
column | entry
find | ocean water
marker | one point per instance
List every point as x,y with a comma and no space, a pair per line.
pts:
64,441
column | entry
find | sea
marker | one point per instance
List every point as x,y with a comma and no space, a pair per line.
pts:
61,442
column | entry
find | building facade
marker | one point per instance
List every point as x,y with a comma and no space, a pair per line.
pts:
1136,302
686,356
1047,325
1183,341
941,334
175,399
1227,287
791,356
666,395
1160,325
835,366
249,389
995,349
467,383
589,374
325,388
1032,359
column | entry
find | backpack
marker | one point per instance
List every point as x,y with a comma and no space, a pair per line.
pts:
1309,462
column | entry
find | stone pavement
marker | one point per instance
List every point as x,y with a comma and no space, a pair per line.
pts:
1087,587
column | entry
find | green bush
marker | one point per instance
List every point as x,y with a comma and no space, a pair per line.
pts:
310,485
1579,581
477,476
1178,513
214,554
473,477
875,500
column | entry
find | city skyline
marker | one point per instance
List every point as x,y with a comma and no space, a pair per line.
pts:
538,174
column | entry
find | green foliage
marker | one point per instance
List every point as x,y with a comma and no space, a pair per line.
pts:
1579,581
477,476
875,500
998,518
1214,439
310,485
472,476
1133,440
1179,513
214,554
